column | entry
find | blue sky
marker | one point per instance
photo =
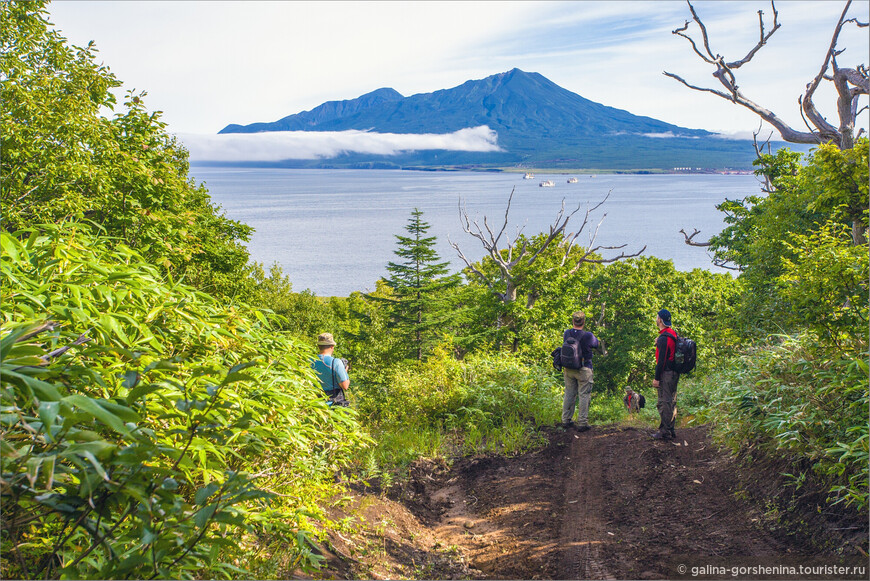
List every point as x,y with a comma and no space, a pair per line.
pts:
207,64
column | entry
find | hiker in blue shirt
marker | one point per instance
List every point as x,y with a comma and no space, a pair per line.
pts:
330,371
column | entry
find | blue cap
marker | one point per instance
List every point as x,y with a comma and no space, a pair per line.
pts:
665,316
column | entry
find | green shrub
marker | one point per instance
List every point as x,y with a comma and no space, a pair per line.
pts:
787,399
482,403
145,427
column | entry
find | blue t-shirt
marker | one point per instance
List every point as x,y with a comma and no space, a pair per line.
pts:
587,342
324,365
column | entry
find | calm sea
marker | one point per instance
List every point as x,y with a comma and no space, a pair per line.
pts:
333,231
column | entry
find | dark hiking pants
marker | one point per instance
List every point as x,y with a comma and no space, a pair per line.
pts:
666,404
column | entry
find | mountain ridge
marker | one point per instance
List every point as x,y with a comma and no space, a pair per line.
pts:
536,120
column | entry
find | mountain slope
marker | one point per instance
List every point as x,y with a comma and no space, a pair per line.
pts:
310,120
515,102
537,121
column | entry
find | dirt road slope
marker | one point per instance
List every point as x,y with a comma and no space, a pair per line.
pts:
610,503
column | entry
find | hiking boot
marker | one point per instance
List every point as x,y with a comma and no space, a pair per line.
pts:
584,428
566,425
661,436
673,434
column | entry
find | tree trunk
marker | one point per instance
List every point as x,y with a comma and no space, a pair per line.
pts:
418,334
859,237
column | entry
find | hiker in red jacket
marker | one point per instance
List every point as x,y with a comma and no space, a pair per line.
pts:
666,378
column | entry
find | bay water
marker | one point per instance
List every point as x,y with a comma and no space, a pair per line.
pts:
333,231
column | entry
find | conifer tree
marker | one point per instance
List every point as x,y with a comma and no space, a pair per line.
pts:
418,282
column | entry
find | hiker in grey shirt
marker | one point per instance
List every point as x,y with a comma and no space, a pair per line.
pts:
579,381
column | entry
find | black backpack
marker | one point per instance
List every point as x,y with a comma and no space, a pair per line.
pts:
337,396
685,355
570,354
557,358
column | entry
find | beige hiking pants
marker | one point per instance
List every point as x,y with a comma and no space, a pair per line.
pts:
578,391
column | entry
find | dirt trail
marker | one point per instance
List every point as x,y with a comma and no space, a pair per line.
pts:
583,530
610,503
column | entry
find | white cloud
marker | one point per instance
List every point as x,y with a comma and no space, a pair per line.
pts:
281,145
741,135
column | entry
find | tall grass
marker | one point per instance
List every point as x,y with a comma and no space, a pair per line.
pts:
787,399
445,407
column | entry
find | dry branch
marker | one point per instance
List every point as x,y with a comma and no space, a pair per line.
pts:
689,238
849,83
507,256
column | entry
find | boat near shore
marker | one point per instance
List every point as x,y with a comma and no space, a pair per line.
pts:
572,180
547,184
529,176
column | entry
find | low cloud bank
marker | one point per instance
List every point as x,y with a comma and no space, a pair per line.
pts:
281,145
747,135
669,135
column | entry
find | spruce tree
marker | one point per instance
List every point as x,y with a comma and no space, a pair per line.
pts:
419,283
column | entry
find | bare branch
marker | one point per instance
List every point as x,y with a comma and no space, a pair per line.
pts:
759,150
508,277
787,133
804,117
849,83
696,88
724,264
470,264
703,30
762,38
81,340
622,256
507,211
46,326
600,320
557,228
680,31
689,238
843,134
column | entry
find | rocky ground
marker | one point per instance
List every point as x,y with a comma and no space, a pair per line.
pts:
610,503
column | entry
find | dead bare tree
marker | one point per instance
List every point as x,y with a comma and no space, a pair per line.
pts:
506,256
850,83
513,262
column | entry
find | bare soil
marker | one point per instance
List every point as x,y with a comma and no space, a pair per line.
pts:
609,503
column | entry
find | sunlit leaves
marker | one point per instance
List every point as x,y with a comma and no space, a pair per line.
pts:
61,159
826,285
132,422
787,399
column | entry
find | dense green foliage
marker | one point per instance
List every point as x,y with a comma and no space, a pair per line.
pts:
62,160
804,258
759,238
784,399
132,453
444,405
148,428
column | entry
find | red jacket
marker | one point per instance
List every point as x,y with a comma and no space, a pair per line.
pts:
666,346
